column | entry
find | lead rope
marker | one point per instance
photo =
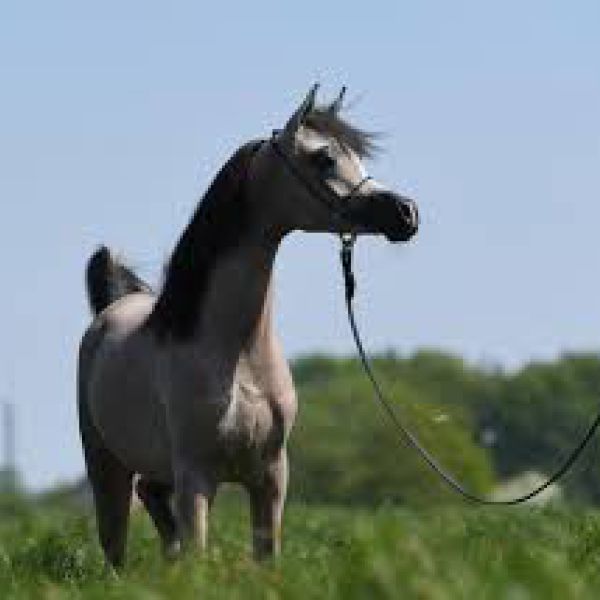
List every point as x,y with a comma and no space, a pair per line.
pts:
350,288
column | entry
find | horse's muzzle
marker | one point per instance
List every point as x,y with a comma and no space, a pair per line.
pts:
406,222
386,213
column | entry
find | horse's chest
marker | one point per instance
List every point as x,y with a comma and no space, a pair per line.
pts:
250,433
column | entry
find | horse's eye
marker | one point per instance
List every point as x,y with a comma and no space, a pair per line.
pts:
323,161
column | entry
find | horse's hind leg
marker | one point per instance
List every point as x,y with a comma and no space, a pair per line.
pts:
156,498
112,486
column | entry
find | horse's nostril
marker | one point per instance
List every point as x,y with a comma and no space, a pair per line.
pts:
415,213
394,215
408,210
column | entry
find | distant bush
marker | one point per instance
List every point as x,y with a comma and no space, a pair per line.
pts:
539,414
343,449
14,505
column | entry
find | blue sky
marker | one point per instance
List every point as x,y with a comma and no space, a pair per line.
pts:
116,115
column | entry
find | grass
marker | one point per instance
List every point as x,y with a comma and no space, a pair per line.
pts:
328,553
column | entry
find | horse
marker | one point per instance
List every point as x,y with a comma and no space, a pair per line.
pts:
186,388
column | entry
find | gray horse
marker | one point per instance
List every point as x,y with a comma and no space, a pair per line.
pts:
186,389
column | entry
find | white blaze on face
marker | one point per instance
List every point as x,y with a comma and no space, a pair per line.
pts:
349,170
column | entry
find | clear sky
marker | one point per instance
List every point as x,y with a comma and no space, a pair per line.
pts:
114,116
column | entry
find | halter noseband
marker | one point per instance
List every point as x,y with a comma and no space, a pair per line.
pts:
335,202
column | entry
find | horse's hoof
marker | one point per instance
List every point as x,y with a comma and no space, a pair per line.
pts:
111,572
172,551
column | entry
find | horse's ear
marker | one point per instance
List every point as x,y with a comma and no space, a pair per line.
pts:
298,117
337,104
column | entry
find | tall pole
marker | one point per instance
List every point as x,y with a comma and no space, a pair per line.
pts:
9,436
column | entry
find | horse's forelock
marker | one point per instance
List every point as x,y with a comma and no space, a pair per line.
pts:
328,122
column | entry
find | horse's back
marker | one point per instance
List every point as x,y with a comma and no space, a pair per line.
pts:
118,362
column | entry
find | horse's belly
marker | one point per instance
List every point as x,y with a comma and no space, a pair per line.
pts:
130,417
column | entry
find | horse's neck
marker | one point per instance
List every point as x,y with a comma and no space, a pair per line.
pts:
264,355
236,313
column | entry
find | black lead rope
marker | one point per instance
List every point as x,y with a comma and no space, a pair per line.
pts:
409,437
336,204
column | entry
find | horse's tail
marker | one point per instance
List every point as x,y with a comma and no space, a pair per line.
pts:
108,279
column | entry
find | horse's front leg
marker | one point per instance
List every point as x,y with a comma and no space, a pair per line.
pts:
194,493
267,500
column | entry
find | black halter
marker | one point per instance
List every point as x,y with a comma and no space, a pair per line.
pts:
336,203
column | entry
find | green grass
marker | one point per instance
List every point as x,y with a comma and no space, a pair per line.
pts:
328,553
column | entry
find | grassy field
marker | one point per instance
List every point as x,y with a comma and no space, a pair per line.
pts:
328,553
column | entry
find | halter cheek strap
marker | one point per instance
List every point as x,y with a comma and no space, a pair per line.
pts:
357,187
335,202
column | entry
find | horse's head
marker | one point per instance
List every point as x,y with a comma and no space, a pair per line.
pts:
318,160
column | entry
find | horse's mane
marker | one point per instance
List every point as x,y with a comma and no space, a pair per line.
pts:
328,122
217,225
215,228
